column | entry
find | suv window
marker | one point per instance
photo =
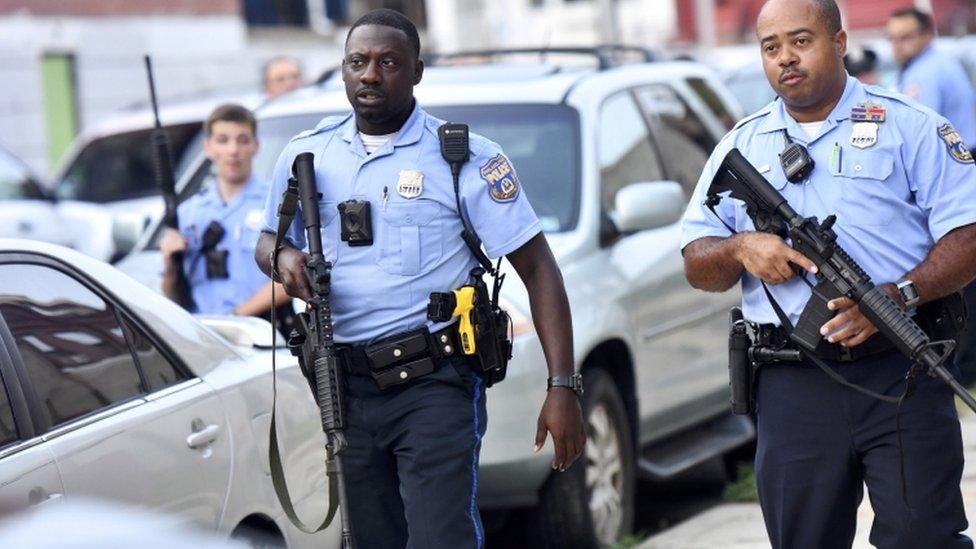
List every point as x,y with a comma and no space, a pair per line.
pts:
120,166
710,97
8,430
626,154
69,340
679,133
15,181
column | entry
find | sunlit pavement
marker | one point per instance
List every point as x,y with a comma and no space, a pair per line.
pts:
740,525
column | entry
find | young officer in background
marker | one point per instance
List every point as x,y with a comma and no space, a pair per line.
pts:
219,226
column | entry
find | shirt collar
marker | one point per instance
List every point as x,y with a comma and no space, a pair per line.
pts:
252,188
778,119
409,133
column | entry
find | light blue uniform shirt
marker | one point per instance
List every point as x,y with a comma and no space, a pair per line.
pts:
893,199
383,289
242,220
939,81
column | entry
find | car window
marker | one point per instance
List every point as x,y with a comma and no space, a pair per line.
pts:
626,154
680,135
120,166
69,340
158,371
713,101
8,429
15,181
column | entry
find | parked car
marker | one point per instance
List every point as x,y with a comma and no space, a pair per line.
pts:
608,158
27,207
111,391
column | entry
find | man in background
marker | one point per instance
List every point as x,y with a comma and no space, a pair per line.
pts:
938,81
220,225
280,75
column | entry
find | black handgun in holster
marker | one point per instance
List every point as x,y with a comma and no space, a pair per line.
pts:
216,259
483,326
749,349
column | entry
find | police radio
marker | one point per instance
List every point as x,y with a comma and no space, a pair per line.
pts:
795,160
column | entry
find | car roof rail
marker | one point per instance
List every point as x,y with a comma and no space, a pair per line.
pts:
607,56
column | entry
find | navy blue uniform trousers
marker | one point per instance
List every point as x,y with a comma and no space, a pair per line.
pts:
412,461
819,442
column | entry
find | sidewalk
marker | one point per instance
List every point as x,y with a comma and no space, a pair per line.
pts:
740,525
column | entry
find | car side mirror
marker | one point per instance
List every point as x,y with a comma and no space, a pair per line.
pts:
126,230
244,331
647,205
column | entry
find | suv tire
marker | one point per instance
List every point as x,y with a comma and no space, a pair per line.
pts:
592,503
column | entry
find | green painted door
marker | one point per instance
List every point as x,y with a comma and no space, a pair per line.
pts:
60,103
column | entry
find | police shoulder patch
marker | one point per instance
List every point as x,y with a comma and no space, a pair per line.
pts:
503,184
954,143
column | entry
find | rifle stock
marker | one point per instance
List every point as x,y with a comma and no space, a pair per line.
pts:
163,174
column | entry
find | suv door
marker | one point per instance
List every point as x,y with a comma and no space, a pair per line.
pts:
123,419
692,326
28,471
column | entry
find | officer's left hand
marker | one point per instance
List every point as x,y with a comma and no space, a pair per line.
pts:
562,417
850,327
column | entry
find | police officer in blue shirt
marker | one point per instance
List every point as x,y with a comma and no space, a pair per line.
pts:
412,459
931,77
219,226
938,81
901,184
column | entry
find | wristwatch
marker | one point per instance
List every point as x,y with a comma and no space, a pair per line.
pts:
574,382
908,293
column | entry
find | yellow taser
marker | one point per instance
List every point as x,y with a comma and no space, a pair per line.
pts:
464,299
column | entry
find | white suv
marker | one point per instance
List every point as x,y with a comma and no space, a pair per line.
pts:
607,157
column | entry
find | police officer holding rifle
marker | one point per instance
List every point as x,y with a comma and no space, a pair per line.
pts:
418,333
856,409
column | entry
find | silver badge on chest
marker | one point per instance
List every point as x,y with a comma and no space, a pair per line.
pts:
410,183
864,134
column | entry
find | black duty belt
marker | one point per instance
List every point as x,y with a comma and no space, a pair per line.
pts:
931,317
877,344
402,357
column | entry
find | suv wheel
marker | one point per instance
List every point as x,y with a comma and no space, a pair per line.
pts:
592,503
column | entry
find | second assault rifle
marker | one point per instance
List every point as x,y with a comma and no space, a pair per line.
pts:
163,172
311,341
837,272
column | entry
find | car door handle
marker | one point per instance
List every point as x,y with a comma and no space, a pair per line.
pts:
203,437
38,496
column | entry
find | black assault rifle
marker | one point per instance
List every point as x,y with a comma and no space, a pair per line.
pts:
837,273
311,341
163,172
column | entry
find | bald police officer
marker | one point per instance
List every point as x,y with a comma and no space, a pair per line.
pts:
901,184
219,226
413,451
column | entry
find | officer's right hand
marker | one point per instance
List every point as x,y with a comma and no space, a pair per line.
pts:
171,243
291,273
768,257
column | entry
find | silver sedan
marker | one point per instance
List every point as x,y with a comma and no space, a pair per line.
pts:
109,390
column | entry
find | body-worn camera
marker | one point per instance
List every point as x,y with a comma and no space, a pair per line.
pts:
356,222
216,259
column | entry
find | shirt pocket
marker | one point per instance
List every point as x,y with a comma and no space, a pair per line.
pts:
864,196
410,240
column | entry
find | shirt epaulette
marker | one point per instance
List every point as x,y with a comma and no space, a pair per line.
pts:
903,99
326,124
754,116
